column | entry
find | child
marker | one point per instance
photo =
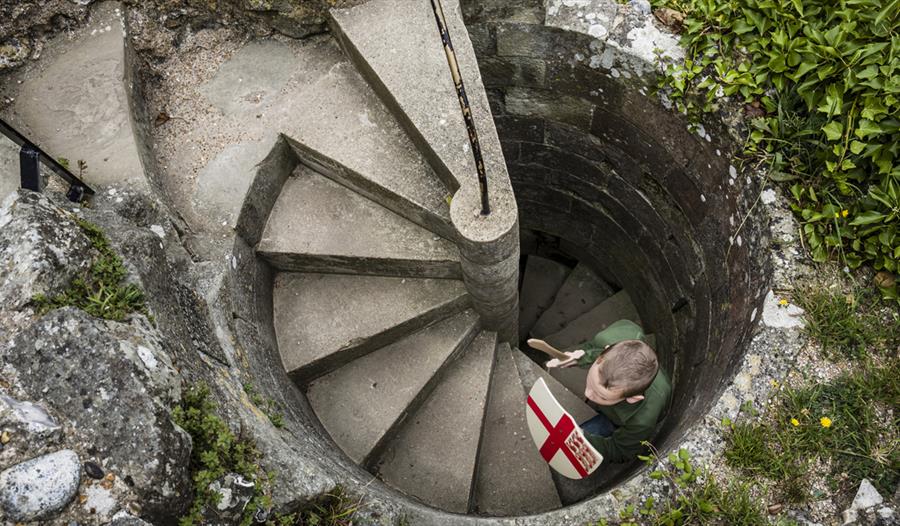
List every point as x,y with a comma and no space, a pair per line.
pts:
624,379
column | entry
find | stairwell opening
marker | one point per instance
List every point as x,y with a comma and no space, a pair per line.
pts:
607,178
604,179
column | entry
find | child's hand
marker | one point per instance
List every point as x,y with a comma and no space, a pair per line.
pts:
573,359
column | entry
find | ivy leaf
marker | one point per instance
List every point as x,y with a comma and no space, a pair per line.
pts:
866,128
834,130
833,101
856,147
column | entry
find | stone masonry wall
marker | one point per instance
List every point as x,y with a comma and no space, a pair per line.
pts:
597,161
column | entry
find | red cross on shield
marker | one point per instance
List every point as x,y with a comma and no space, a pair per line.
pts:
556,435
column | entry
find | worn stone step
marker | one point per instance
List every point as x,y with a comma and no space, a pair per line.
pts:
512,477
433,456
342,129
324,321
363,402
318,225
419,88
541,281
582,291
530,371
584,327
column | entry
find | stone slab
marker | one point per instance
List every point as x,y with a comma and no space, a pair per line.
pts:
397,46
540,284
73,102
513,478
323,321
318,225
617,307
433,457
360,403
529,371
337,117
582,291
223,183
251,77
419,87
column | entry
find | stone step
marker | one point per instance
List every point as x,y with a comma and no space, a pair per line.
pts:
318,225
433,457
582,291
418,88
362,403
324,321
584,327
541,281
530,371
343,130
512,477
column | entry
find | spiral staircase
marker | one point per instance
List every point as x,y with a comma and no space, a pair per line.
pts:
377,316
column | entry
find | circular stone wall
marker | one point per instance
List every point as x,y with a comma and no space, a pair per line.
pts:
649,205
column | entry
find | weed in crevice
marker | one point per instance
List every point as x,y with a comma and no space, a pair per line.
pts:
216,452
101,290
268,406
332,509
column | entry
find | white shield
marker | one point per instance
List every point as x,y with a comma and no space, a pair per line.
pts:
557,435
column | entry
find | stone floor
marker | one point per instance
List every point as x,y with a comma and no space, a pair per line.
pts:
72,102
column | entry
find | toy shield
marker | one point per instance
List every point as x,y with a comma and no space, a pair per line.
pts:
556,435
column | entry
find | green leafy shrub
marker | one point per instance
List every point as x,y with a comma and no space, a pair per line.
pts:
821,84
101,291
216,452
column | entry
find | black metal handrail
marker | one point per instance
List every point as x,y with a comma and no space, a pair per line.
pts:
463,103
31,155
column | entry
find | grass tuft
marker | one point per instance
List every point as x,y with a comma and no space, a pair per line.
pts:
850,424
848,325
101,290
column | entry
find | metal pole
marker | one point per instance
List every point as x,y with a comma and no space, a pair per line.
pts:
463,103
29,168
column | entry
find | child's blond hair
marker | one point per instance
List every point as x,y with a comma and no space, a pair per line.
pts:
629,366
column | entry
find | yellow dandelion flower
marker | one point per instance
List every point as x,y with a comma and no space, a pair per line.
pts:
783,302
845,213
825,421
774,383
795,422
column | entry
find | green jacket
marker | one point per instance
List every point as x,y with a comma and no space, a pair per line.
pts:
635,422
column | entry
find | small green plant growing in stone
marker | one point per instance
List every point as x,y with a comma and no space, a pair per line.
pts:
268,406
820,82
101,290
334,508
694,497
216,452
